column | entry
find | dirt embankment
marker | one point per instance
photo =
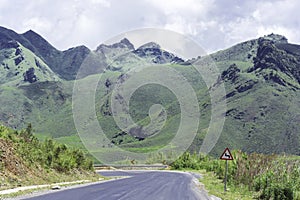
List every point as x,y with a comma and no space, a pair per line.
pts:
13,170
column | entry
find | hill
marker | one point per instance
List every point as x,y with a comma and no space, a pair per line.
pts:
261,78
26,161
262,96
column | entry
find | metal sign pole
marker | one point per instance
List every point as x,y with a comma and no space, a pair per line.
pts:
226,155
225,179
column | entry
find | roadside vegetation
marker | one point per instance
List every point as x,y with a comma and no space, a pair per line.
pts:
257,175
24,160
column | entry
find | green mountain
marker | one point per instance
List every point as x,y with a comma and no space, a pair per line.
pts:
261,78
262,85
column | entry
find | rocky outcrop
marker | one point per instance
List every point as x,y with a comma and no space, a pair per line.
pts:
116,49
245,86
156,54
124,43
18,51
275,39
231,74
19,59
29,76
270,59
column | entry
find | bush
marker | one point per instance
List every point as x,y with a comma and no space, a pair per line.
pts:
272,176
186,161
48,154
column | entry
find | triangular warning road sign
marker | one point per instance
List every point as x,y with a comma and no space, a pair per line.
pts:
226,155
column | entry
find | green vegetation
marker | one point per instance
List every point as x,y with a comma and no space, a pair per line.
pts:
24,160
262,84
215,186
261,80
266,176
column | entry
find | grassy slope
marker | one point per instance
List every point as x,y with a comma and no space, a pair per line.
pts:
256,119
26,161
261,121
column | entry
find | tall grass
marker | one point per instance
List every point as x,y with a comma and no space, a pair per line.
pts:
48,154
270,176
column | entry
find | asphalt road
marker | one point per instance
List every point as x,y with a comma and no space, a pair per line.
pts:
139,185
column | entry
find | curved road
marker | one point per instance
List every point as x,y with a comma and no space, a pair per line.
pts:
138,185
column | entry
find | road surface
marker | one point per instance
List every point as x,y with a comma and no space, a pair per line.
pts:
138,185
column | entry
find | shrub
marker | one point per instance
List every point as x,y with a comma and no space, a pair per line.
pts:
272,176
48,154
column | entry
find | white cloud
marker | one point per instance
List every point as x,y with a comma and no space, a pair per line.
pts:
104,3
186,7
38,24
280,17
213,24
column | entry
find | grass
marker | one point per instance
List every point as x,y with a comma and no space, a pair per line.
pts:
249,132
256,175
14,76
215,187
72,140
263,117
39,162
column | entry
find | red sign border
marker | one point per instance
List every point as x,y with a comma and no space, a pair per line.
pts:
231,157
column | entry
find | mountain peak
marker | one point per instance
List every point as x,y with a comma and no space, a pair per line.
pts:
35,39
30,31
127,43
123,44
150,45
275,38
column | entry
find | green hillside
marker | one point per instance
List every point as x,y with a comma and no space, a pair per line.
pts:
262,102
26,161
261,78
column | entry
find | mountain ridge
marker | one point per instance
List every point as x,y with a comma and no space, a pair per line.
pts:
261,78
67,63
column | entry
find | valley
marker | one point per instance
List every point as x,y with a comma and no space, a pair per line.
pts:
261,78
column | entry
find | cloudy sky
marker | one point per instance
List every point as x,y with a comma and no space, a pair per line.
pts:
214,24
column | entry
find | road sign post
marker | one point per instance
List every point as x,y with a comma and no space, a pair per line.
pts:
225,178
226,155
